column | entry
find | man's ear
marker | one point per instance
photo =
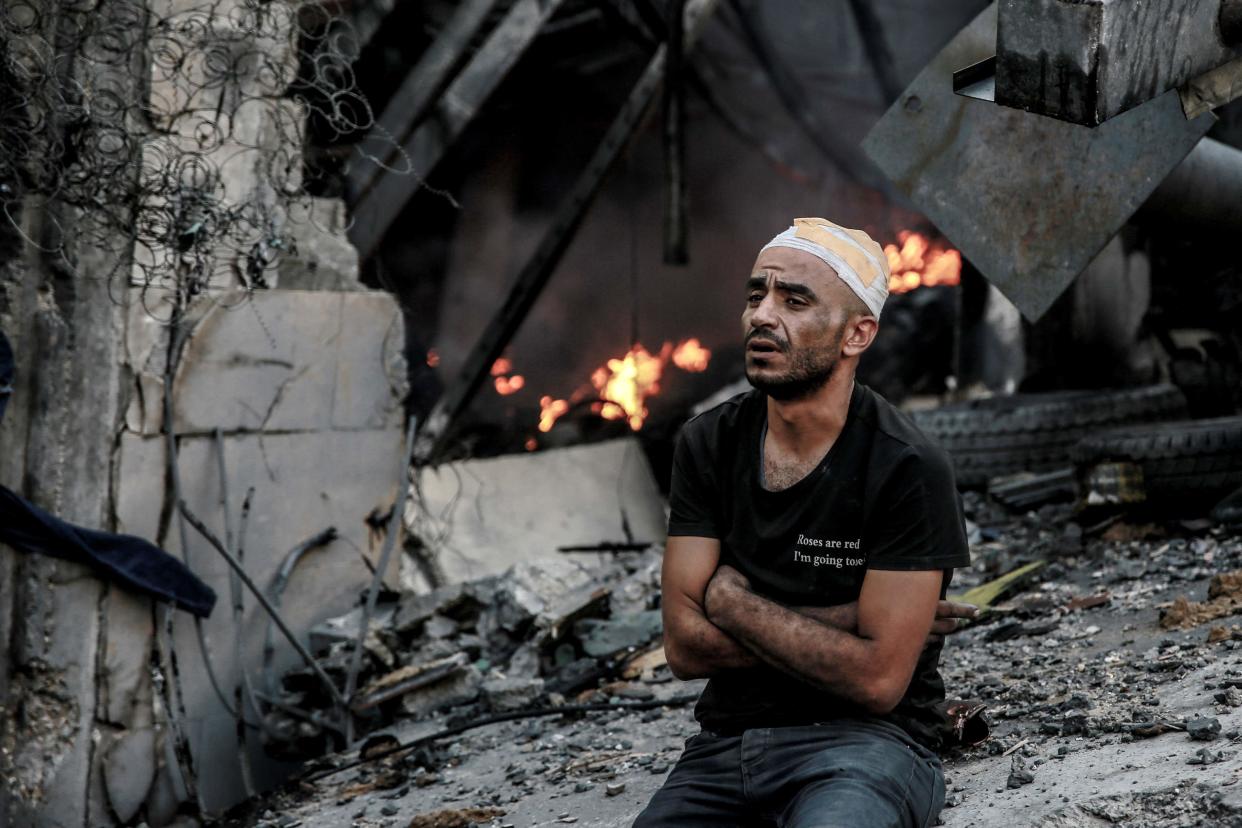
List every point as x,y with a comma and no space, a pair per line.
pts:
859,334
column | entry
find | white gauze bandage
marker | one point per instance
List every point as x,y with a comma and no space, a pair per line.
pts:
857,259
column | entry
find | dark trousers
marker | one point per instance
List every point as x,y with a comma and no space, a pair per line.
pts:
848,773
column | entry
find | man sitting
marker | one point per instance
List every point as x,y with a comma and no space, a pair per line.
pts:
812,537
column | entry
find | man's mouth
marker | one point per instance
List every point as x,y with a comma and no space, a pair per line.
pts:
762,346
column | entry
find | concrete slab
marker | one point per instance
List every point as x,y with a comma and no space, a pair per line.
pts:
482,516
307,388
285,360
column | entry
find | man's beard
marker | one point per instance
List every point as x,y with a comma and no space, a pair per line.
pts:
809,370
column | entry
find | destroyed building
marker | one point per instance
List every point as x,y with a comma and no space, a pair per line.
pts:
345,345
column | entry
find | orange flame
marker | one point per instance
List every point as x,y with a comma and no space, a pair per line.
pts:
505,381
433,357
509,385
623,385
691,356
919,263
550,411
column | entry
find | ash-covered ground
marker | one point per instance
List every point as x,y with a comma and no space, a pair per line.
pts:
1101,714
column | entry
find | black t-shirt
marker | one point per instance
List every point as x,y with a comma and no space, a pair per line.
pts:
882,498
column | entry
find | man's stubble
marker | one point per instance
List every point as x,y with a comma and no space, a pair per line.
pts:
810,369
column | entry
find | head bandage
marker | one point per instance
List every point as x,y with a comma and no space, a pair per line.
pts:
854,255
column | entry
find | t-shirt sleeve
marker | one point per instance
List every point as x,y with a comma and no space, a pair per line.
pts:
694,497
917,522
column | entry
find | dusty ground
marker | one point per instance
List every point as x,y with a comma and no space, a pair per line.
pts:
1067,691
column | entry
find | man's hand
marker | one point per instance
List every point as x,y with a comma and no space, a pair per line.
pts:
950,617
695,647
871,667
725,581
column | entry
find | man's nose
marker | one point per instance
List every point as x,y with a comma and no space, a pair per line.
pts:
764,315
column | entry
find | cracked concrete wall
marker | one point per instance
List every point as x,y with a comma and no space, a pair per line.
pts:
55,447
98,682
306,388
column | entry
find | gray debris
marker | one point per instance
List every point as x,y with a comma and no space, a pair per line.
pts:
603,638
1207,756
1203,730
459,688
505,694
1019,773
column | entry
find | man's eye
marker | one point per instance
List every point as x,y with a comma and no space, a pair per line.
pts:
754,297
795,300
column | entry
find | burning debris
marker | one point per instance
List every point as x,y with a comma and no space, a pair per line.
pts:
921,262
619,389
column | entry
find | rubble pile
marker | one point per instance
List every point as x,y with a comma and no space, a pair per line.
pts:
540,634
1091,651
1107,702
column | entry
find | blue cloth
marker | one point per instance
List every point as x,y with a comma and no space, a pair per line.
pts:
861,773
131,561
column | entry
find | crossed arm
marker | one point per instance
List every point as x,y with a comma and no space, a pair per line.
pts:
864,651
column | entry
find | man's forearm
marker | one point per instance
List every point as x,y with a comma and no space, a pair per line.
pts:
702,649
816,652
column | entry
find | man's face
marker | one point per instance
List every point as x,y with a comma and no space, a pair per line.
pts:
793,323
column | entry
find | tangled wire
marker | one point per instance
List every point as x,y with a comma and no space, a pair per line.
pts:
170,135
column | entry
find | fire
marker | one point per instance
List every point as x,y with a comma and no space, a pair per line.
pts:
550,411
503,378
622,385
509,385
691,356
919,263
433,357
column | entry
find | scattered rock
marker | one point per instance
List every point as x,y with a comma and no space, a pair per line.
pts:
1019,773
1203,730
614,789
505,694
456,818
1206,756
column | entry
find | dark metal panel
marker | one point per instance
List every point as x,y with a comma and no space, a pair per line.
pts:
1086,62
1028,200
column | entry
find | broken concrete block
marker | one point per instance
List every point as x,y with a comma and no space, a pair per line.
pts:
460,602
497,512
410,679
505,694
603,638
438,626
535,592
525,662
459,688
344,628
